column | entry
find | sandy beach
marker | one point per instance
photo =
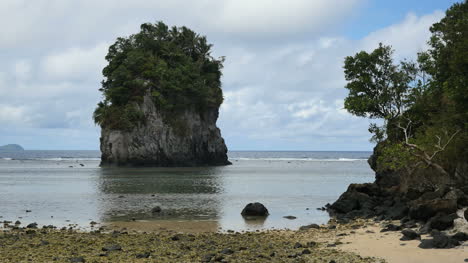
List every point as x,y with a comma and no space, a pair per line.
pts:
389,247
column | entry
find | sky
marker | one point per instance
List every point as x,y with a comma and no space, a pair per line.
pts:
283,78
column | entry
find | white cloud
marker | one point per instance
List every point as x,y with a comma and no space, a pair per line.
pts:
75,63
13,115
283,78
22,69
279,16
407,37
72,22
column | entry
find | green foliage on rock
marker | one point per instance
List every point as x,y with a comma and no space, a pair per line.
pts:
172,65
423,104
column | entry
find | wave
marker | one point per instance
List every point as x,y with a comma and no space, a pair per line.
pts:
67,159
54,159
301,159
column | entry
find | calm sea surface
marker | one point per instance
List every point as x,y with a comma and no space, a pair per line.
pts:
64,187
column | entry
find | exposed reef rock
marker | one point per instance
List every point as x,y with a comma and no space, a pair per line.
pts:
189,138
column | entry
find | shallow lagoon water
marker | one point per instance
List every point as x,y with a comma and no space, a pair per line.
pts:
288,183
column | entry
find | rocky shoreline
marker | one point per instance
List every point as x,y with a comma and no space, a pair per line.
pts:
358,240
31,244
423,200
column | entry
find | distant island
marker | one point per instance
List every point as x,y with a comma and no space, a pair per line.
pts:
11,148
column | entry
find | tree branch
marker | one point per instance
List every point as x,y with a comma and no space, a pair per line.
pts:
421,153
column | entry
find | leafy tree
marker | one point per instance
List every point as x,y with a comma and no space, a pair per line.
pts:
424,104
378,89
173,66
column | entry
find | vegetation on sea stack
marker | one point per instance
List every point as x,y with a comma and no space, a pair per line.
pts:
423,104
172,65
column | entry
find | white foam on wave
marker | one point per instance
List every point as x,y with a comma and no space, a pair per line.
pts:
7,159
67,159
299,159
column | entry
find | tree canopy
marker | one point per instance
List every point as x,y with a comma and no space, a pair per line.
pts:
424,104
172,65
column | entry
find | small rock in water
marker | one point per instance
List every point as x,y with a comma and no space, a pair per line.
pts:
92,223
17,222
255,209
28,211
32,225
290,217
156,209
81,164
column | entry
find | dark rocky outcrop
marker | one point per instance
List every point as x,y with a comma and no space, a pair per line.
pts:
421,197
442,221
189,138
254,209
439,240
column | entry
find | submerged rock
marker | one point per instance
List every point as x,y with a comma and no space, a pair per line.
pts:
156,210
255,209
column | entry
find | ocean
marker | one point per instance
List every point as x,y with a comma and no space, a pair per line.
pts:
69,187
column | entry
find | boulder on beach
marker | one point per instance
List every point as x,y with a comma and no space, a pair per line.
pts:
255,209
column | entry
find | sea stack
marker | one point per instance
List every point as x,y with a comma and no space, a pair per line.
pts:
162,93
196,142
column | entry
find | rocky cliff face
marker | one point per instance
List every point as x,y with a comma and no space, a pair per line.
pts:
424,198
189,138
